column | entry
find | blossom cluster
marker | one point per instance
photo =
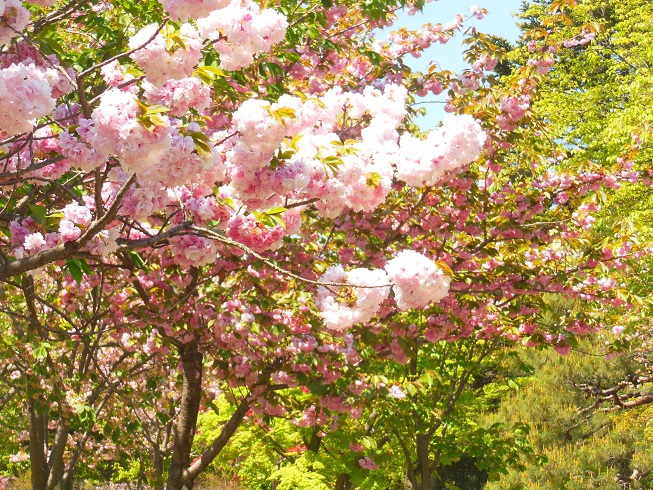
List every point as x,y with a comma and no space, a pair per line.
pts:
242,32
362,170
365,167
585,38
359,304
117,131
187,9
27,237
166,57
181,160
513,109
415,279
458,142
179,95
25,95
76,149
307,133
15,18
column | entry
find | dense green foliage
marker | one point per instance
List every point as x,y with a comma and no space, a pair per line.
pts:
453,385
598,98
598,103
578,447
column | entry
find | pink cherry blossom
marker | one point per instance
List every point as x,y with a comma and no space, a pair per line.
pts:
15,18
191,9
367,463
34,242
179,95
396,392
162,62
417,280
25,95
457,143
242,32
117,131
360,305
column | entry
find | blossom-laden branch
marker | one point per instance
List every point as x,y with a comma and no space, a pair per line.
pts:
232,243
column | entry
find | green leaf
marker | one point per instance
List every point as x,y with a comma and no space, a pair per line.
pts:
176,40
75,270
39,212
212,70
150,121
138,260
374,57
85,412
283,112
445,267
274,69
374,179
276,210
368,443
141,106
84,266
294,141
135,72
202,143
157,109
271,218
332,163
41,351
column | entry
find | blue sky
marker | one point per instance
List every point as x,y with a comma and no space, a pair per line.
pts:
499,21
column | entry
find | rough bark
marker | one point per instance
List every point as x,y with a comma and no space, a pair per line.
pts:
423,460
158,469
38,446
343,482
55,463
184,432
218,443
6,398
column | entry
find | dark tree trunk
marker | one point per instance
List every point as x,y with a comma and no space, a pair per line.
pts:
184,432
316,440
56,462
218,444
158,469
343,482
423,463
38,439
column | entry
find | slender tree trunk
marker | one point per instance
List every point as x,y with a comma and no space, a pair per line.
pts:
316,440
38,439
56,456
158,469
67,478
423,441
191,362
141,475
218,444
182,473
343,482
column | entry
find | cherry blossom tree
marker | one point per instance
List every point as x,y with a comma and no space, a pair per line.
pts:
204,196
